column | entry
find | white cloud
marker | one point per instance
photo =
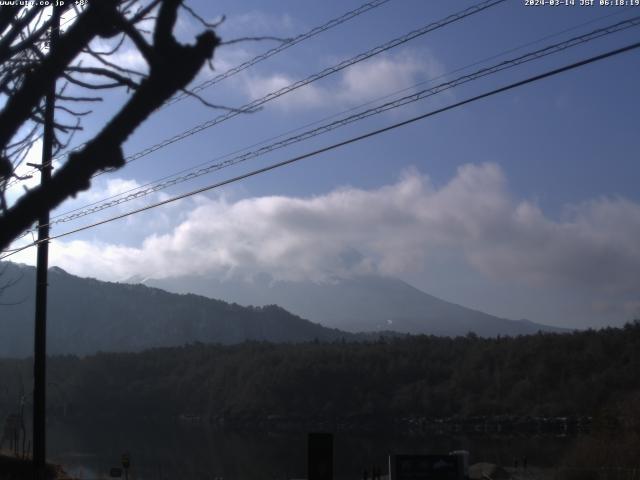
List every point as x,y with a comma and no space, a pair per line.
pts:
309,96
227,57
249,24
106,190
111,187
257,23
396,229
126,56
386,74
131,58
362,82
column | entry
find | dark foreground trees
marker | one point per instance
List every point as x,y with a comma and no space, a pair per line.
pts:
591,373
28,68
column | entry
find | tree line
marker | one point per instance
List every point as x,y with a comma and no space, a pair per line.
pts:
590,373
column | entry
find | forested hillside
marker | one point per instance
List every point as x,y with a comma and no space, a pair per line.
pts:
86,316
582,373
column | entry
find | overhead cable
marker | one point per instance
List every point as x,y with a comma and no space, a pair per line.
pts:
340,144
355,108
270,53
256,104
400,102
257,59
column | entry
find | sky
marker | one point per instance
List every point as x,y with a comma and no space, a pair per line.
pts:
522,205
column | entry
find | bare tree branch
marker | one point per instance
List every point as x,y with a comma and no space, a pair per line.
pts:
115,48
215,106
136,37
78,99
256,39
201,20
101,58
92,86
171,67
36,81
73,112
144,11
17,24
103,72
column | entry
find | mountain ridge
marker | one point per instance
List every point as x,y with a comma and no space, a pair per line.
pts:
86,315
365,303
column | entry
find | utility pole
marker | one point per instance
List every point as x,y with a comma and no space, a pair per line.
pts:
40,343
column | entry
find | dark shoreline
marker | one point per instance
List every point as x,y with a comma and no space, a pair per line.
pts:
412,425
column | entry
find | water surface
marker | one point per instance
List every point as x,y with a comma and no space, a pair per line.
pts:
194,452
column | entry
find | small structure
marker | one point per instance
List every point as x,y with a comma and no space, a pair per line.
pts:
320,456
427,467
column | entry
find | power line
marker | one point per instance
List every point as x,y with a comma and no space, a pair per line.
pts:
269,53
255,104
316,122
343,143
257,59
400,102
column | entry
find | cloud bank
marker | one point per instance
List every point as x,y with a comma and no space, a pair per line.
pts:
393,230
374,78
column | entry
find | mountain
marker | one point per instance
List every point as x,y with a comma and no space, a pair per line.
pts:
87,315
359,304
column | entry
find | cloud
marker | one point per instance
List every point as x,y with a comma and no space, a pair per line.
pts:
386,74
257,23
249,24
362,82
395,230
126,56
627,309
105,190
131,58
309,96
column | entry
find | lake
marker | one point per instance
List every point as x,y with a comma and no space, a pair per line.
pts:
195,452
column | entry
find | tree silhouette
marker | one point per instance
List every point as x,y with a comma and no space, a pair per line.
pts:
28,70
7,282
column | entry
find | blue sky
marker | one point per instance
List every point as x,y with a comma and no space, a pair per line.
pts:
523,205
